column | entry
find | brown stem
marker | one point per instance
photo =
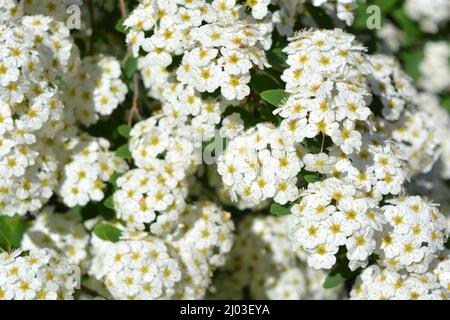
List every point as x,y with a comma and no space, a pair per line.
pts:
135,103
123,8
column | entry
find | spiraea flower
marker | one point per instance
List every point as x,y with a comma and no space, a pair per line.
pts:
41,274
333,214
62,232
90,164
142,268
392,85
262,260
414,234
218,43
435,67
327,82
94,88
430,15
376,283
34,51
154,195
260,164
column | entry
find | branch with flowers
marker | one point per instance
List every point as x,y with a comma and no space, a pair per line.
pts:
225,149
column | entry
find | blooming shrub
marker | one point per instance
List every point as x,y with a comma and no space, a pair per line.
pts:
224,149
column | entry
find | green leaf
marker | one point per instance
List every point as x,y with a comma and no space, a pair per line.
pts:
18,227
130,67
338,275
124,131
5,234
407,25
276,56
411,60
107,232
447,244
123,152
119,25
113,179
264,81
445,102
311,178
386,5
274,97
320,16
279,210
109,202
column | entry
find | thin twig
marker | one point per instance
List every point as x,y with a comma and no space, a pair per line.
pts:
135,103
92,22
123,8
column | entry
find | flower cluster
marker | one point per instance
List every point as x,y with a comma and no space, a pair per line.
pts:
41,274
90,165
326,79
417,138
170,138
94,88
180,266
260,164
62,232
333,214
34,50
145,268
406,234
206,228
431,104
263,260
219,43
154,195
414,234
430,14
435,67
392,85
404,119
376,283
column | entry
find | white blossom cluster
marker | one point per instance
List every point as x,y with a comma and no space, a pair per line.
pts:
417,139
377,283
414,233
260,164
146,268
219,44
154,195
331,214
407,233
430,14
207,229
435,67
62,232
40,274
326,79
94,88
262,259
86,172
404,119
179,266
392,85
34,49
169,137
431,104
